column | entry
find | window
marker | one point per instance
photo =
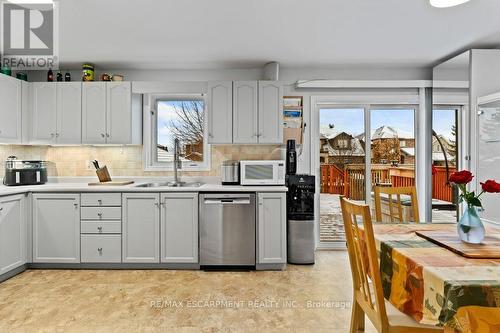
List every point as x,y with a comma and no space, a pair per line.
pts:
183,118
402,143
343,143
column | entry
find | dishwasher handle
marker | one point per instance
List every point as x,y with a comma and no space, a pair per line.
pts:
227,201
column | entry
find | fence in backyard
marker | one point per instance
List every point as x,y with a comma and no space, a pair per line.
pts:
351,181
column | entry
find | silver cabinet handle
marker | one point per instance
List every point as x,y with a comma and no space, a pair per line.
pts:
107,135
210,135
102,134
57,135
99,229
99,202
52,135
1,208
99,249
76,205
157,204
100,215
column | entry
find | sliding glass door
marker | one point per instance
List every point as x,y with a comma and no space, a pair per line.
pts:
445,160
360,147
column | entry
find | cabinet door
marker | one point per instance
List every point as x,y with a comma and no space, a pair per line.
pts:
94,112
271,230
141,227
119,112
270,112
56,228
220,112
12,232
10,109
43,117
179,227
245,112
69,112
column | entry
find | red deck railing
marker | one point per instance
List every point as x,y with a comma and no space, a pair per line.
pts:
351,181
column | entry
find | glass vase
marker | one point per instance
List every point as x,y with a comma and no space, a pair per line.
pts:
470,228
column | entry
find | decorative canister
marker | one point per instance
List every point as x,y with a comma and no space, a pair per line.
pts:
88,72
6,70
22,76
117,77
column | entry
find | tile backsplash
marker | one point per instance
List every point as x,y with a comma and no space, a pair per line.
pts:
71,161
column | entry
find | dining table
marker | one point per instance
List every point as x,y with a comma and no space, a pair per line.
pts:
435,285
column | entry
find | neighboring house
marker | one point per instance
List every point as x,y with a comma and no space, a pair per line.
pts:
392,145
341,149
438,154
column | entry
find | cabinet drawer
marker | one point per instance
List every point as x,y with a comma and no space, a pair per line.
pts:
101,199
101,213
101,227
101,248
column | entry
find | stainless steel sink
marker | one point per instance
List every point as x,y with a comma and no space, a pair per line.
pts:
171,184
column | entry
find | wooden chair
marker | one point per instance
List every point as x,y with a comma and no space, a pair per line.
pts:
368,296
398,192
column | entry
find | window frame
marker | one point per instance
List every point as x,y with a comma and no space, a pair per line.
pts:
150,134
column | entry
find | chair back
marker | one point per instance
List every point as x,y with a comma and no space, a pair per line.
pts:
364,262
396,213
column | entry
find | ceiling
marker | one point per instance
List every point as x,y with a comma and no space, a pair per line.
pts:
193,34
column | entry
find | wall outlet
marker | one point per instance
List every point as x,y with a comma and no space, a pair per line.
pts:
89,165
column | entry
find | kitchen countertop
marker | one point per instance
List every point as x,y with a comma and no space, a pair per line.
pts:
75,186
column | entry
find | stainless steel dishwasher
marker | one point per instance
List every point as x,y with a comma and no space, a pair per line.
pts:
227,229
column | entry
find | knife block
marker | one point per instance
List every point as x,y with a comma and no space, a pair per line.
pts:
103,174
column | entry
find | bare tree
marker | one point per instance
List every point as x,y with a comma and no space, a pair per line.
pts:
188,125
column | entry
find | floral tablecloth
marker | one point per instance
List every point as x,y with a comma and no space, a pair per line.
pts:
434,285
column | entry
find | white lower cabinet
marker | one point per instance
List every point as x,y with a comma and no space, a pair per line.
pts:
56,228
101,248
179,227
141,227
271,228
12,232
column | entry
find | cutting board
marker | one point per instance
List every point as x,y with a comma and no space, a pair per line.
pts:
488,249
112,183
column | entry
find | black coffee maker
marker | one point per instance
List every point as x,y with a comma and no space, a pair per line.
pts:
291,158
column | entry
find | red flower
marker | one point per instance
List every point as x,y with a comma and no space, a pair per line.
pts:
461,177
491,186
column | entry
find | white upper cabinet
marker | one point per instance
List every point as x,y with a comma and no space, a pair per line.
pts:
69,112
56,112
220,114
44,113
13,233
245,124
119,112
107,112
270,112
245,112
94,112
10,109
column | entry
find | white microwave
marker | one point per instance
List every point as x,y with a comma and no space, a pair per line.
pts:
262,172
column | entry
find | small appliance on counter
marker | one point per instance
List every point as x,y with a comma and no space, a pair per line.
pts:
230,172
21,172
300,216
270,172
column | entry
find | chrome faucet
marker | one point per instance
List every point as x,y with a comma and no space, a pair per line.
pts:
177,164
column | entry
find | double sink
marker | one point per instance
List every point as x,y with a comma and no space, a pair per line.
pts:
171,184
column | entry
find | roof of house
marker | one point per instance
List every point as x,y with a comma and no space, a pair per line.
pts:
408,151
356,150
387,132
